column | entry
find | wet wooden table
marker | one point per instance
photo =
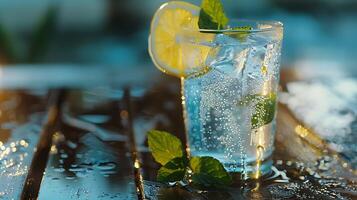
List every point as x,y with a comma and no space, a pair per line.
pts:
91,144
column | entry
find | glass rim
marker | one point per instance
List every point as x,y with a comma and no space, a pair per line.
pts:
273,26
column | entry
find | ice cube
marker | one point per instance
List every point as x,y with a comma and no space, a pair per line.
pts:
240,60
223,40
229,56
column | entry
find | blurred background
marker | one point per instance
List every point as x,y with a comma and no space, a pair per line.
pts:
112,34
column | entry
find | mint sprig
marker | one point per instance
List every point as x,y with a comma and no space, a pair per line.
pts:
264,108
164,146
242,34
209,172
212,15
202,171
172,171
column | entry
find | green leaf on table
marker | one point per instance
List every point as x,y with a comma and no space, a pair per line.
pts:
164,146
172,171
264,108
212,15
209,172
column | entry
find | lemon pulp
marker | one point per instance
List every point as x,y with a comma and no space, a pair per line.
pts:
175,43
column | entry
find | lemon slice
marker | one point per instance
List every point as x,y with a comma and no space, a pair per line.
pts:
175,44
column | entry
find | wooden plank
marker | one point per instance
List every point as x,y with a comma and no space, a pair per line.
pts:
21,115
90,158
128,119
39,160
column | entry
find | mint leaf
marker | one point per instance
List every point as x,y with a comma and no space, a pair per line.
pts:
264,111
212,15
167,150
164,146
209,172
172,171
242,34
264,108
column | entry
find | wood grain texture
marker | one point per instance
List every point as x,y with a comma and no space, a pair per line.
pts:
21,119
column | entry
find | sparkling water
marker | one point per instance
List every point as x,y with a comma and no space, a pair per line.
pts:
230,109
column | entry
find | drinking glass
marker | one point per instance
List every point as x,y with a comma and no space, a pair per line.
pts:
230,106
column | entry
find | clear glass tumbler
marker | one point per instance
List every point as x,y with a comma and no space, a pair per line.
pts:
230,108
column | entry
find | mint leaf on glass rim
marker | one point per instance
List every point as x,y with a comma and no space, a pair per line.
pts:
172,171
242,34
212,15
164,146
213,18
209,172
